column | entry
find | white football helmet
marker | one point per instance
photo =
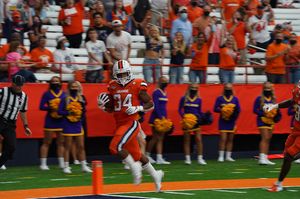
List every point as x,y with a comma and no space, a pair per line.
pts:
122,67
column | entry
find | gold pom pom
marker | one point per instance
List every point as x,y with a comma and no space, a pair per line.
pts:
163,125
188,121
227,110
53,104
269,117
75,109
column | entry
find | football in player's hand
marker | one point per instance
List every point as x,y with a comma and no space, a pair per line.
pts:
110,102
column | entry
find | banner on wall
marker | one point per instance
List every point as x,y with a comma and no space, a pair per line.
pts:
100,123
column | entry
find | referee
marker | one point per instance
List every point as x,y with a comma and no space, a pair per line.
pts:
12,100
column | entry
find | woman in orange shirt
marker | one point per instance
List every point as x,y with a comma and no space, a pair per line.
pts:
97,7
199,63
70,18
293,58
119,12
228,58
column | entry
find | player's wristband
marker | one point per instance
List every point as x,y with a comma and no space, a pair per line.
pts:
275,106
26,126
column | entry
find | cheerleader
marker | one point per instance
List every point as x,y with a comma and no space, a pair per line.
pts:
265,126
291,112
84,126
53,122
228,105
191,104
72,107
160,99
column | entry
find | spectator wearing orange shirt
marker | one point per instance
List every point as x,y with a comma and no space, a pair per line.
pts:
5,48
70,18
194,12
173,13
41,54
202,22
228,58
238,29
276,55
97,7
228,7
119,12
199,63
251,8
293,58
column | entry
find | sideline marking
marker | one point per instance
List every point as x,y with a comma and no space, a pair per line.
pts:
111,176
201,170
242,169
72,175
194,173
229,191
26,177
237,172
274,171
59,179
121,196
120,173
9,182
262,178
166,171
173,192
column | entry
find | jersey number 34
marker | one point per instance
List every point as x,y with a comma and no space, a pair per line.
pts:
127,102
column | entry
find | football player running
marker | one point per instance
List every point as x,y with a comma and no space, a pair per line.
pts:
127,93
292,144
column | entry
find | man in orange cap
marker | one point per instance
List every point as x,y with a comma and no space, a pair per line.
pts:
16,24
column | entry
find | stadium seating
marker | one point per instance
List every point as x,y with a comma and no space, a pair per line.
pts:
138,42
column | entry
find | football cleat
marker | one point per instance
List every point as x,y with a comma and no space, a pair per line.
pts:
157,180
275,188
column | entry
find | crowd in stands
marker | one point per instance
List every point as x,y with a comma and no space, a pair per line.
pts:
194,33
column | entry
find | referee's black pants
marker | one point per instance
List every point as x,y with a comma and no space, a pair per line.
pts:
8,132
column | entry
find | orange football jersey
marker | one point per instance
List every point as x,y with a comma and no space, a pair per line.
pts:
125,97
296,97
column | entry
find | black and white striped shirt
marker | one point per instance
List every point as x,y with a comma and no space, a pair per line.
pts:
11,103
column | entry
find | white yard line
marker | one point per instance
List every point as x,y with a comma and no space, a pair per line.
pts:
10,182
59,179
220,190
237,172
122,196
173,192
194,173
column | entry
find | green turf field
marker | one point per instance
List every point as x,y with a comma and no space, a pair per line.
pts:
16,178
